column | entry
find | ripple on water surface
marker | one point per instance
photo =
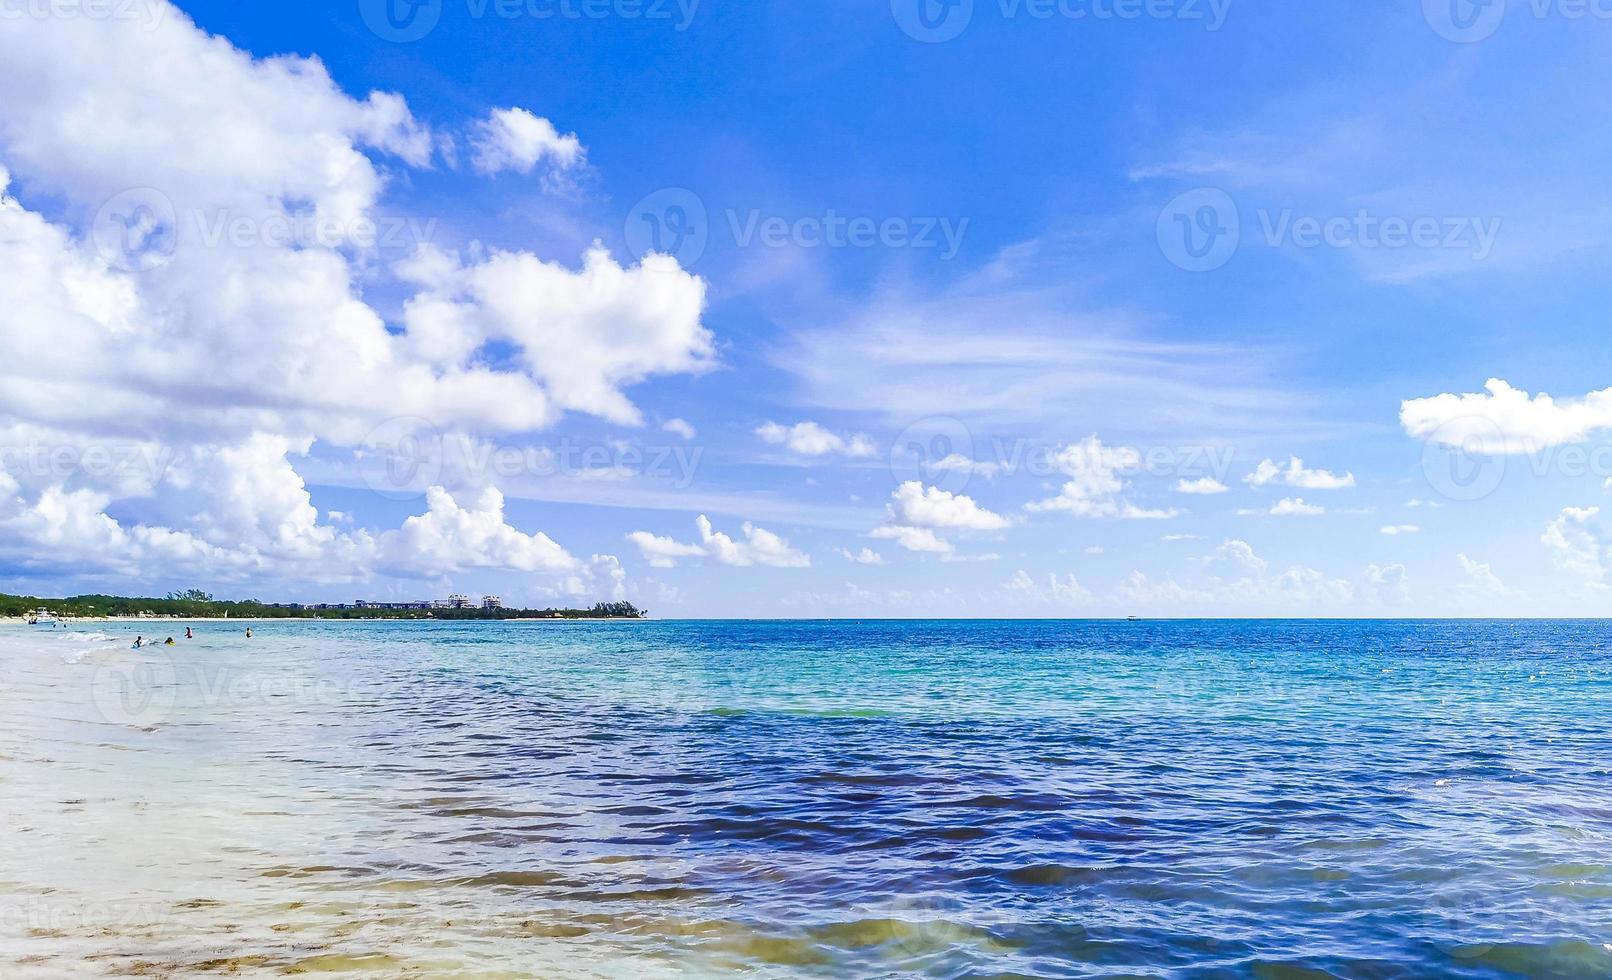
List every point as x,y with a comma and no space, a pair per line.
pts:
948,799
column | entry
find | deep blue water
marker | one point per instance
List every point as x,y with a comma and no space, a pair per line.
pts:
953,799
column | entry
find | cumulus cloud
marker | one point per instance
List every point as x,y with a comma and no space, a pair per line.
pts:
915,505
867,556
1296,474
1393,530
1578,543
678,427
1240,578
1481,578
451,537
913,539
1096,480
916,512
1050,590
1240,555
811,439
194,279
958,463
70,528
1295,507
1506,420
515,139
1203,486
583,335
759,547
1387,583
258,523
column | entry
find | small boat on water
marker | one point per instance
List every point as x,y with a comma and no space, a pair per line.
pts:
42,617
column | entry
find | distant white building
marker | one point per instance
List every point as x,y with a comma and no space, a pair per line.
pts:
459,602
491,602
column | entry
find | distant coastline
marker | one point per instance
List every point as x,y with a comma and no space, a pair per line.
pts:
198,605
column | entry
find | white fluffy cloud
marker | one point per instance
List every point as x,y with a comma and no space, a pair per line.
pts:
259,524
1203,486
1240,578
1387,583
198,284
515,139
866,556
1238,554
1504,419
1051,590
1481,578
265,331
958,463
811,439
1393,530
678,427
916,512
213,139
1578,543
915,505
62,528
451,537
759,547
1296,474
1295,507
913,539
1096,479
583,335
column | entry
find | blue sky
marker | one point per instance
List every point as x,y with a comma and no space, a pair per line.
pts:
1110,257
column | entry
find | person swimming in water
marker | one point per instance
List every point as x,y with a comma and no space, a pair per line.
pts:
139,642
169,642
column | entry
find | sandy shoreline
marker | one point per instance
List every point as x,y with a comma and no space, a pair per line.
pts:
71,620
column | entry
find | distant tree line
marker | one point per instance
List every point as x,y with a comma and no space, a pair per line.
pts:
196,604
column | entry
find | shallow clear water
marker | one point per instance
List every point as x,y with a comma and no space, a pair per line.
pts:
824,799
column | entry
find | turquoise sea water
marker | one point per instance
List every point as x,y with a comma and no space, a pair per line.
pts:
950,799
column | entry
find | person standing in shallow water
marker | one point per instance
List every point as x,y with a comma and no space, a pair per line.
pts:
188,634
249,632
